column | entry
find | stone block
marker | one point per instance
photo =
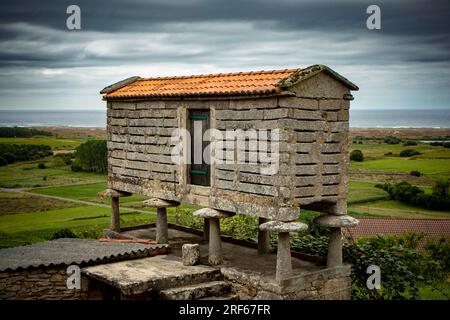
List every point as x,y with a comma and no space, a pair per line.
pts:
190,254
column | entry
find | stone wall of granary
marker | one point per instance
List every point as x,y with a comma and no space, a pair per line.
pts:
139,147
45,284
329,284
313,132
243,187
318,135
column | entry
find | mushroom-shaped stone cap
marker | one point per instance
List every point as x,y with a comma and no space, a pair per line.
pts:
208,213
160,203
333,221
283,227
112,193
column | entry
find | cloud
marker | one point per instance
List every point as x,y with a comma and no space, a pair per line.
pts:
41,62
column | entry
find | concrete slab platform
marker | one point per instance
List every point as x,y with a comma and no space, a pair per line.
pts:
241,259
155,273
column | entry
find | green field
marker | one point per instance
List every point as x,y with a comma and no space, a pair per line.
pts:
27,175
55,143
25,228
364,192
377,151
84,192
396,209
31,218
433,168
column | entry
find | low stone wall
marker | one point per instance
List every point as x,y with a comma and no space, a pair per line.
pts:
45,284
327,284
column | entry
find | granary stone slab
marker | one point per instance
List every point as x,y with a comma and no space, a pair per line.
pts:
154,273
334,221
112,193
73,251
283,227
212,213
160,203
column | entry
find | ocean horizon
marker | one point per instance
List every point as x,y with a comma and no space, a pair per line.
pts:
370,118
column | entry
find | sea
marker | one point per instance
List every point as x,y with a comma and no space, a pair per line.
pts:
387,118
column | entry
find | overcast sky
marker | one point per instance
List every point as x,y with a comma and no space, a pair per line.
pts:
43,65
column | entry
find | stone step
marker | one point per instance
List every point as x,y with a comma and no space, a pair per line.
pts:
156,273
228,296
197,291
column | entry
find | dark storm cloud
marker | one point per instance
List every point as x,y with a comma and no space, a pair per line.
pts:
122,38
399,17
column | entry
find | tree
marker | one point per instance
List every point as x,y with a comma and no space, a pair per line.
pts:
356,155
92,156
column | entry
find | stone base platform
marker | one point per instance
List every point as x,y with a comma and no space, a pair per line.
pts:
244,274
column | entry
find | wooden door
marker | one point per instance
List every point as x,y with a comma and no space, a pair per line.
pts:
199,169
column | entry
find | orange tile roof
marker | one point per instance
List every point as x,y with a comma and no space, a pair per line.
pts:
222,84
242,83
369,227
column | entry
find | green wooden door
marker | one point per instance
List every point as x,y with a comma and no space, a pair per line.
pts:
199,169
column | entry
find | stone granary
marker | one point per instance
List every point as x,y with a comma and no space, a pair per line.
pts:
271,144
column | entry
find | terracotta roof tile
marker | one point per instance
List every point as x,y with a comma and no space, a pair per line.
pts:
221,84
369,227
242,83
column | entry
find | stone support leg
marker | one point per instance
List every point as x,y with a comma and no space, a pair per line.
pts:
215,243
115,214
334,257
263,239
206,229
284,263
161,226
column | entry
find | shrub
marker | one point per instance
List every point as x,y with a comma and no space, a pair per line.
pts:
439,250
407,193
41,165
3,162
356,155
440,188
9,157
392,140
402,265
398,280
409,153
63,233
75,167
415,173
58,162
25,152
410,143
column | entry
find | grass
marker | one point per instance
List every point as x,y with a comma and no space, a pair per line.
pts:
55,143
26,228
13,202
360,192
377,151
85,192
27,175
396,209
434,168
